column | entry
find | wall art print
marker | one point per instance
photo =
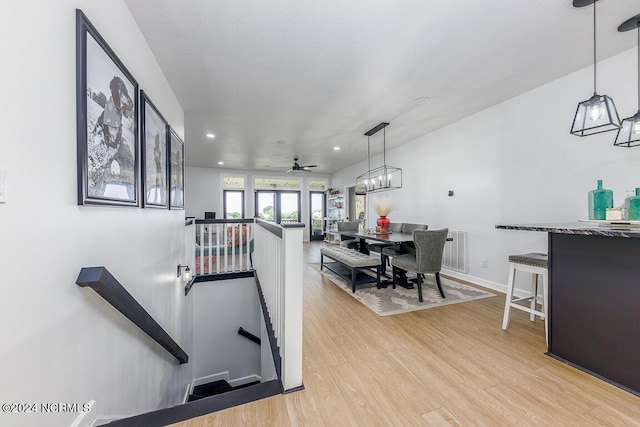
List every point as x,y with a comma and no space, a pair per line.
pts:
154,155
176,170
107,111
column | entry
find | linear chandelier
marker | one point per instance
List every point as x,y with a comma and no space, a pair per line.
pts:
383,177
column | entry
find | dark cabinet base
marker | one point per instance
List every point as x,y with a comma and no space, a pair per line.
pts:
594,305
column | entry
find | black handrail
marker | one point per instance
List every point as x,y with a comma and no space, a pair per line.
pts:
225,221
226,400
271,336
276,229
104,284
248,335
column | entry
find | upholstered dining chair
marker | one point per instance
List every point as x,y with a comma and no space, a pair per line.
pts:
427,259
405,247
394,227
348,241
407,227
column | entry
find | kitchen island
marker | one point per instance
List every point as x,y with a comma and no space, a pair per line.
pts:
594,298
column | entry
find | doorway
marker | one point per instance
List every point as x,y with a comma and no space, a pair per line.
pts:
317,212
357,206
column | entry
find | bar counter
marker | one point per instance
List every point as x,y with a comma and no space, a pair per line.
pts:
594,298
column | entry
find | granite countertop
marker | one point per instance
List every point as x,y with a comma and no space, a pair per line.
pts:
595,228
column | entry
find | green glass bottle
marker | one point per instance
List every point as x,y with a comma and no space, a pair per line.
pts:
599,200
633,206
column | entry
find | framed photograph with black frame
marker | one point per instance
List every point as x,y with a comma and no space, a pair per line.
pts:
176,170
107,122
154,155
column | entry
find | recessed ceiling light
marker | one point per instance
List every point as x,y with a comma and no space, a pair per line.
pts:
210,135
221,163
336,148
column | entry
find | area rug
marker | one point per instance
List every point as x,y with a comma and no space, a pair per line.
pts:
388,301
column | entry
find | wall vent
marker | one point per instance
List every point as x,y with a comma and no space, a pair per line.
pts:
455,252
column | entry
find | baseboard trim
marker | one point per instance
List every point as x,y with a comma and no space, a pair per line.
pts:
483,283
187,392
293,390
81,417
224,375
244,380
106,420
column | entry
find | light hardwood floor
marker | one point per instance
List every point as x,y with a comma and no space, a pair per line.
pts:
448,366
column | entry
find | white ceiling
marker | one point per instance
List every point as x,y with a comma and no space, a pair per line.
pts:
318,74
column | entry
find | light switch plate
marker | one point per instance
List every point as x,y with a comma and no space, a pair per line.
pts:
3,186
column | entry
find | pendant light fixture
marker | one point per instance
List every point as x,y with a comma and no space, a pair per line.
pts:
597,114
629,133
382,178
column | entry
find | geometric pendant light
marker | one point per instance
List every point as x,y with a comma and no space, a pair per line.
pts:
629,133
597,114
382,178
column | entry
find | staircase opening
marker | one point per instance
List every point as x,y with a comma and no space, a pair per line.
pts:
215,388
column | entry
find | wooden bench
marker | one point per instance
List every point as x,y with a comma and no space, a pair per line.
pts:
350,261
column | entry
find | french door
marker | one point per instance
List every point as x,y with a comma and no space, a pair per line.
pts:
278,206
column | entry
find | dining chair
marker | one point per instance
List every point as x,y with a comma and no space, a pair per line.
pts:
404,247
379,247
394,227
348,241
429,245
408,228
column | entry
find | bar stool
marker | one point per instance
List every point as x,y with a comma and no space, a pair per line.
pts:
536,264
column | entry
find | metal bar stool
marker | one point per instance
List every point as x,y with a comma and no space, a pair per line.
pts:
536,264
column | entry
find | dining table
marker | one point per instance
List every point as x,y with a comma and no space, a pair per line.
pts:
390,237
395,238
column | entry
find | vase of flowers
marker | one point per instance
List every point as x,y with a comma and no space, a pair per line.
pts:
382,206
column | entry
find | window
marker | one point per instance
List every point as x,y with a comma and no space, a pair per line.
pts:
233,182
276,184
278,206
316,185
233,197
233,204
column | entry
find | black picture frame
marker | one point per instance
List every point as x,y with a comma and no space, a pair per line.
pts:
107,122
176,170
155,159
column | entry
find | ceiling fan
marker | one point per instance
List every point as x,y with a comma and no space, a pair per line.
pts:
295,167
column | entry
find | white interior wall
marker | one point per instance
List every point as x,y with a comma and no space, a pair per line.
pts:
514,162
63,343
203,187
220,308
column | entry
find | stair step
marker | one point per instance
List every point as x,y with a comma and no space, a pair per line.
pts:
212,388
193,397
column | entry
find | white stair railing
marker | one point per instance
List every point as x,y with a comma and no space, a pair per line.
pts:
278,262
223,246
